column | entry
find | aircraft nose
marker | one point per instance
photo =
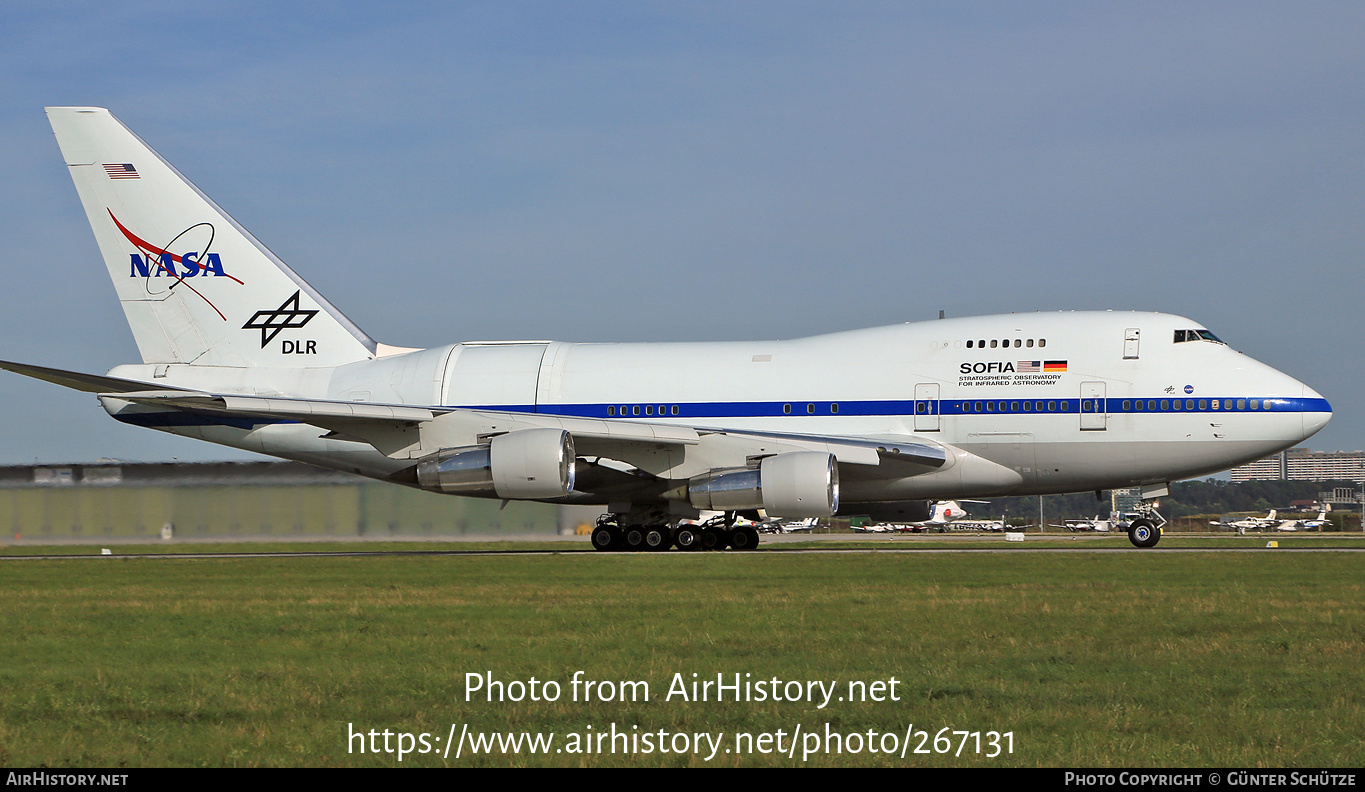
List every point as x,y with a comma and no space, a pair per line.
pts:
1316,412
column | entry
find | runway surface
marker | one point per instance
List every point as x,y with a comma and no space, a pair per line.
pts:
877,545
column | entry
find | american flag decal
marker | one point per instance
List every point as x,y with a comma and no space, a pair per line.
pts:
121,171
1027,366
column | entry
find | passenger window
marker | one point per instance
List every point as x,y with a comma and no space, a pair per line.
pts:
1255,404
810,409
1030,343
1151,404
1241,404
1189,404
978,406
787,409
1165,405
1042,342
1052,406
635,410
1175,405
1018,343
969,344
611,411
990,406
1203,404
834,408
1028,406
1014,406
1066,406
649,409
993,343
1127,405
675,409
1138,405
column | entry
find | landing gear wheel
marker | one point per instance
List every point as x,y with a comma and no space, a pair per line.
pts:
687,537
1142,533
634,537
605,538
713,539
745,538
658,538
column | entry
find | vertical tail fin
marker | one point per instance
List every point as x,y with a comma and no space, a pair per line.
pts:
195,286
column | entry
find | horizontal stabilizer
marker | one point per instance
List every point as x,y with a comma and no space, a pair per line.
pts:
90,383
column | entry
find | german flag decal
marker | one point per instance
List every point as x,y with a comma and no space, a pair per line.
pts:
1054,365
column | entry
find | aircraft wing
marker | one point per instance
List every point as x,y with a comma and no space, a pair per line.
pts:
405,432
665,450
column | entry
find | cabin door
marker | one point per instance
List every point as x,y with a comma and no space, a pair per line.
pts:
926,407
1131,337
1093,415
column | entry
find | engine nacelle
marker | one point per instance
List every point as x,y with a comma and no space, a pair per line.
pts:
799,484
531,464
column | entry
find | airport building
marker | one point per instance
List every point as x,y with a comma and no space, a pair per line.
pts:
1301,464
224,500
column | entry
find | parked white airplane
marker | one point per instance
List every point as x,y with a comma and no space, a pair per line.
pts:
237,349
1253,523
1094,524
1305,525
941,515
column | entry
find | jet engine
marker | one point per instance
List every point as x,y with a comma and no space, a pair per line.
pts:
799,484
529,464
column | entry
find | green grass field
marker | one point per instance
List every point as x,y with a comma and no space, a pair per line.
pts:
1189,659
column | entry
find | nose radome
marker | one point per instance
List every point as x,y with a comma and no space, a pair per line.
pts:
1316,412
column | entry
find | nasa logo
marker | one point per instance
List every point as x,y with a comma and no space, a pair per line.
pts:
1189,389
165,264
155,262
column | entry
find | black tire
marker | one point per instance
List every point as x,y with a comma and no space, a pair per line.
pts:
745,538
606,538
658,538
634,537
687,537
713,539
1142,533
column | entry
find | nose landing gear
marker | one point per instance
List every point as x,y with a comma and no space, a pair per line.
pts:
1145,530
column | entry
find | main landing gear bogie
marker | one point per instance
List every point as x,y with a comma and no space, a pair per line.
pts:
718,534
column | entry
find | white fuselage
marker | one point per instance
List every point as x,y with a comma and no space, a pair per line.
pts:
1069,401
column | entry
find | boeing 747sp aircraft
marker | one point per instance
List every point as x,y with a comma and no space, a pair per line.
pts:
238,349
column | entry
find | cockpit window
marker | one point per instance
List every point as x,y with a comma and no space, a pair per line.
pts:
1196,335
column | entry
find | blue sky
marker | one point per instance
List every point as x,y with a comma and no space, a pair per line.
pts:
704,171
